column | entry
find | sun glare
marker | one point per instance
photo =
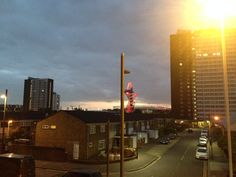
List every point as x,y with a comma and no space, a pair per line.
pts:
219,9
209,13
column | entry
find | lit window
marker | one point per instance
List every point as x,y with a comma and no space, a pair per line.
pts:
53,126
45,126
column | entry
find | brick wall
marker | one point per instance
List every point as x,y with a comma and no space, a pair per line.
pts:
61,131
40,153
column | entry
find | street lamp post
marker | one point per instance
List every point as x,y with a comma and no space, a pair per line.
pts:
226,96
122,119
108,147
8,127
3,121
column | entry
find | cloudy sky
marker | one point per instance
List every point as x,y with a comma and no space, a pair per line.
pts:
78,44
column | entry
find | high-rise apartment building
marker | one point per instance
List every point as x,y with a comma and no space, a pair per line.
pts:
38,94
204,85
56,102
181,74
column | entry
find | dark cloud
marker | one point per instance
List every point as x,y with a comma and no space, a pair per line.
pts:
78,44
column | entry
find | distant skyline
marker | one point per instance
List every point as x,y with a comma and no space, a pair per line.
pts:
78,43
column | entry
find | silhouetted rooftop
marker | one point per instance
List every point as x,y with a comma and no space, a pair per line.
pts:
103,116
24,115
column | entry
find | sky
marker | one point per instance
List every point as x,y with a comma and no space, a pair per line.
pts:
78,44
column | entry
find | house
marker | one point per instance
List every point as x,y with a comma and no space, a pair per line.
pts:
83,134
20,124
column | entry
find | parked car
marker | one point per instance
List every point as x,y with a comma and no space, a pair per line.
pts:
201,153
21,141
202,145
172,136
204,132
164,140
83,173
203,137
202,142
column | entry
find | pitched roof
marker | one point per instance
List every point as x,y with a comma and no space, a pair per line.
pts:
103,116
94,116
23,116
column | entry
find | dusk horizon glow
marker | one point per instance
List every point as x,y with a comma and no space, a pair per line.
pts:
78,44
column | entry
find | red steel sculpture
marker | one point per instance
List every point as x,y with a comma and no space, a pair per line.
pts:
131,95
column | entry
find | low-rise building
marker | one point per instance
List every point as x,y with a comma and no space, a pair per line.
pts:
20,125
83,134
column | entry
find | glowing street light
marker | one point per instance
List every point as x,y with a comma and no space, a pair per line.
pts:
216,118
3,96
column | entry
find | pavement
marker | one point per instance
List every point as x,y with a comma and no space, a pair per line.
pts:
217,162
147,155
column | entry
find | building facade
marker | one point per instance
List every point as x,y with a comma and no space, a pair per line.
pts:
55,102
18,125
181,74
83,134
38,94
11,108
205,72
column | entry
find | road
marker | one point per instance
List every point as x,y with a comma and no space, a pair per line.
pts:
177,161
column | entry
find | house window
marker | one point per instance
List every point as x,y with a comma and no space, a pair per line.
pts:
102,128
142,126
25,124
90,145
92,129
45,126
148,125
137,124
101,144
53,126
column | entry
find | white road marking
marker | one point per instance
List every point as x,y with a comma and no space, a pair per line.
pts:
185,152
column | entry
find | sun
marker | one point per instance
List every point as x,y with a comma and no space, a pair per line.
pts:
218,9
